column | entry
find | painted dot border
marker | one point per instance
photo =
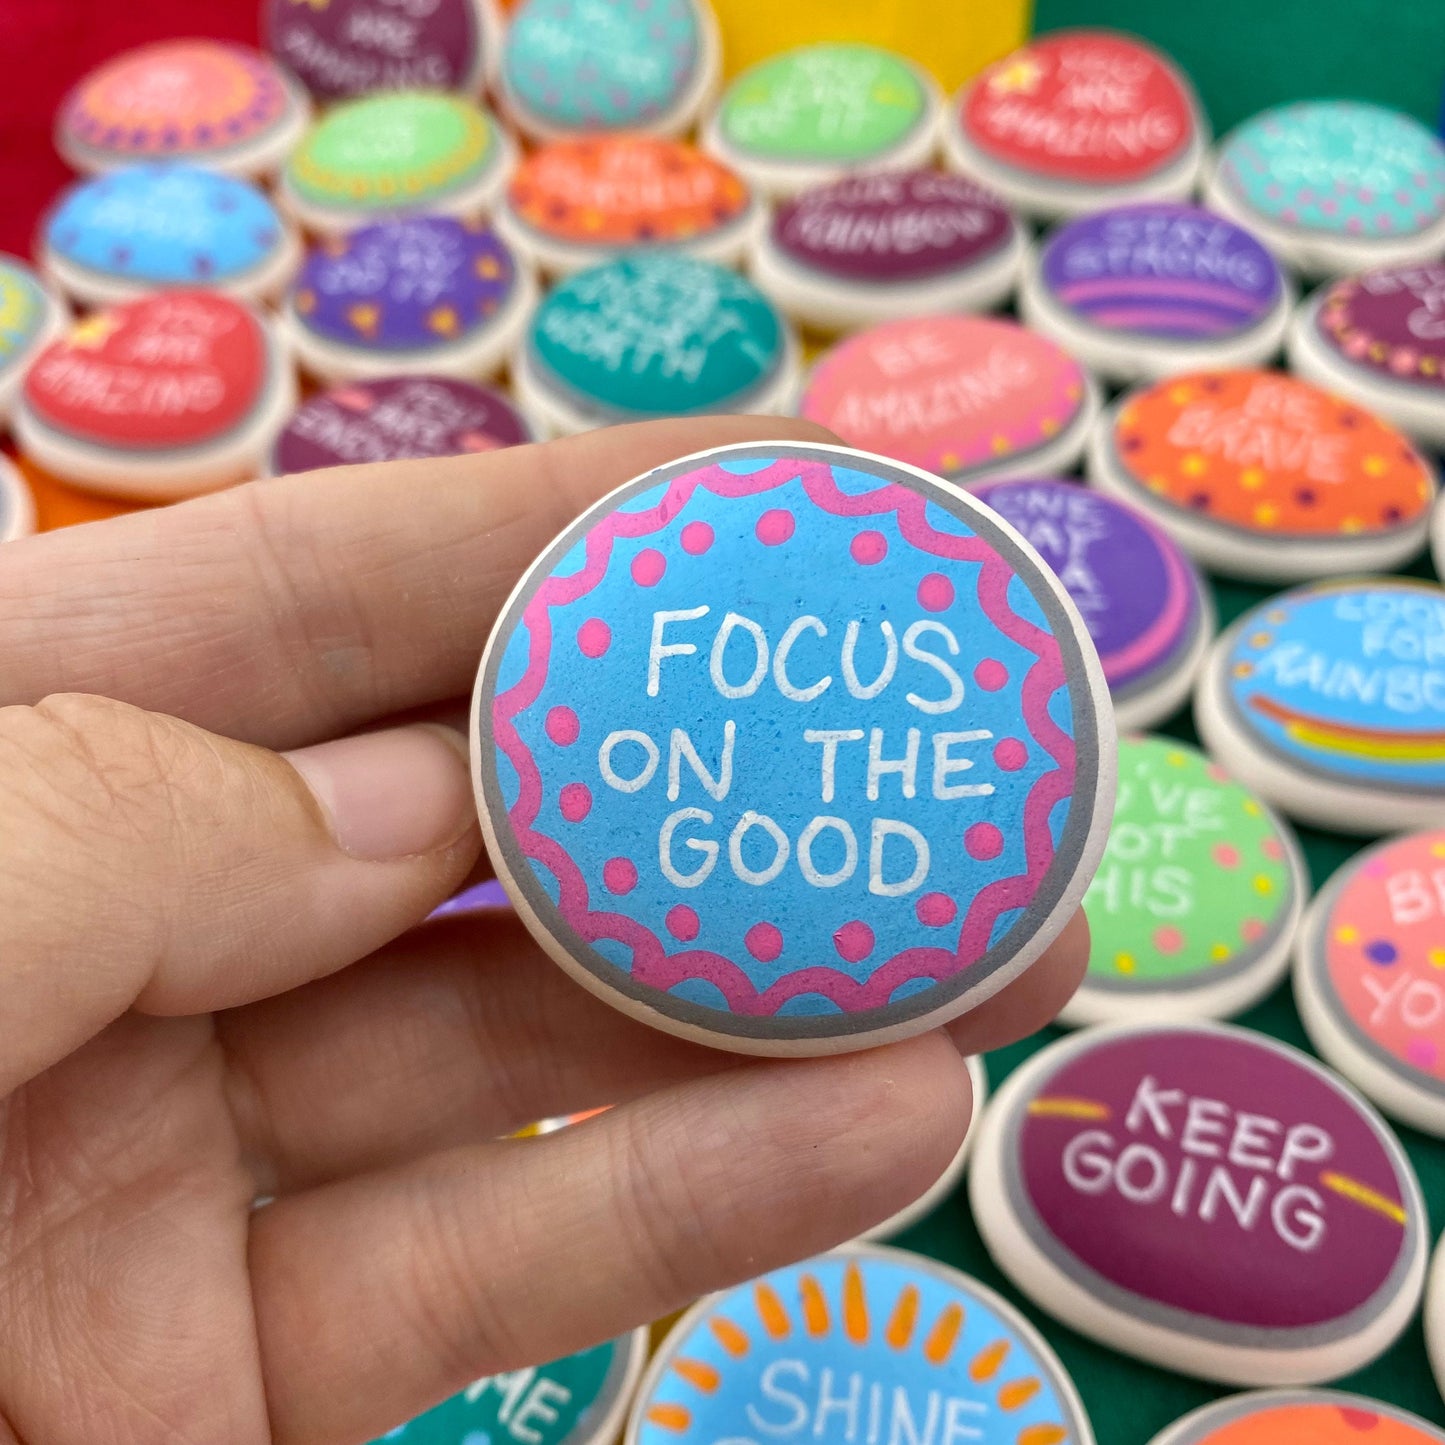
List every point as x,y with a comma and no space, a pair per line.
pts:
1080,841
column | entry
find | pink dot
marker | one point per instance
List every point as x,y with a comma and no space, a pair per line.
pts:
1226,855
619,875
575,801
935,593
984,841
697,537
869,548
1214,771
682,922
594,637
1168,940
854,941
1384,221
1010,754
1366,196
934,910
990,674
562,726
775,527
1251,930
764,942
1422,1053
648,567
1272,848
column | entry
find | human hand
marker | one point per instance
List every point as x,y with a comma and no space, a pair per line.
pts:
212,988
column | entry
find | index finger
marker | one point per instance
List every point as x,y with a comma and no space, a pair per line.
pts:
287,611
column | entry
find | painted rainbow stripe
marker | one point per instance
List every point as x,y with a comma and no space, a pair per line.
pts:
1386,745
1359,1193
1160,306
1063,1107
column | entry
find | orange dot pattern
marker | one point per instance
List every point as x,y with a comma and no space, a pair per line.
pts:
625,191
1268,453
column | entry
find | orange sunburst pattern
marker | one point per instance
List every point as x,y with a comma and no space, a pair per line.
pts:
875,1338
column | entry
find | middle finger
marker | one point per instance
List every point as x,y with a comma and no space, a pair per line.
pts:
465,1030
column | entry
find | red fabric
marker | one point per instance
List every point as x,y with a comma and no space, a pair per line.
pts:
49,44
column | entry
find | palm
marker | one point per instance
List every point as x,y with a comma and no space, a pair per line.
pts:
121,1173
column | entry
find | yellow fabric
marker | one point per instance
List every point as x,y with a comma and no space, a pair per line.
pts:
953,39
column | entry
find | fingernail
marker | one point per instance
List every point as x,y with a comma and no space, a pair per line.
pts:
392,794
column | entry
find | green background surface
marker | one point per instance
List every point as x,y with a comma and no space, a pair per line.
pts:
1242,56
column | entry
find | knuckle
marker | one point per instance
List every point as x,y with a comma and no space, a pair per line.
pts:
82,836
667,1194
307,609
86,765
451,1321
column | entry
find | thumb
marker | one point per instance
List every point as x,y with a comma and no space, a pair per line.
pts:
147,863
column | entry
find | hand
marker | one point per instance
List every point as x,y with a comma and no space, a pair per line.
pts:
212,988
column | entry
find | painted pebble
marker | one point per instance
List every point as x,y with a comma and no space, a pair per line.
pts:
1370,976
574,203
1333,186
1299,1417
871,247
17,506
1435,1319
31,317
1330,701
394,154
807,116
165,225
159,398
1195,906
581,1399
428,295
758,821
653,334
342,48
1205,1198
1077,120
973,398
1379,339
1145,605
918,1346
1264,476
394,418
943,1188
217,105
570,67
1145,291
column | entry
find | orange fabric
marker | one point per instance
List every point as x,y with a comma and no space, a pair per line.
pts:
57,504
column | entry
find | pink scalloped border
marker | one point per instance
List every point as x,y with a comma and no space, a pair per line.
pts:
653,966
